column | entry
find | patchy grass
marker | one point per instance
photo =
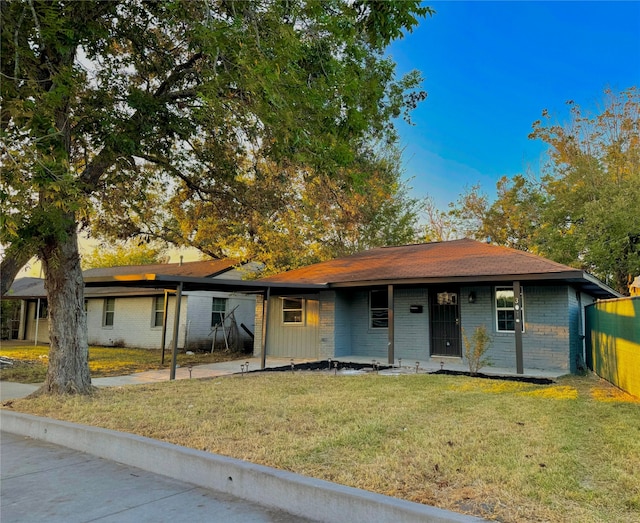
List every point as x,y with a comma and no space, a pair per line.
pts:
514,452
30,363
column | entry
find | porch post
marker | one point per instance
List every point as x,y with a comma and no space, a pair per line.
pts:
265,330
176,326
391,356
35,343
22,329
517,306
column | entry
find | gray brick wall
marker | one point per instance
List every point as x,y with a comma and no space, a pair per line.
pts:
327,312
257,340
549,340
552,338
365,341
342,319
411,329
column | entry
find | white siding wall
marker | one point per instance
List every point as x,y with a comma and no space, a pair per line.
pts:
42,325
199,332
132,323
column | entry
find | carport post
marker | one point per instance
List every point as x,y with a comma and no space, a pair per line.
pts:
265,330
176,325
517,306
391,356
35,343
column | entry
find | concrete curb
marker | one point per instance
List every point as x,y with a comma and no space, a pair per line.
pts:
293,493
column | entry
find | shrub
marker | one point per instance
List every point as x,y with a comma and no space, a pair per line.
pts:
475,348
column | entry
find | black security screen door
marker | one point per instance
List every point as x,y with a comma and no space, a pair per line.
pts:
445,323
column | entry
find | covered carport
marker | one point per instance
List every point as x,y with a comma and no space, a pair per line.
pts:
180,284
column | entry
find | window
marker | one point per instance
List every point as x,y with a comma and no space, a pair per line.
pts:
109,312
379,309
292,310
41,310
218,310
506,311
158,311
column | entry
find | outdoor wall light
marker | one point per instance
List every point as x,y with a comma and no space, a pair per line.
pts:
472,297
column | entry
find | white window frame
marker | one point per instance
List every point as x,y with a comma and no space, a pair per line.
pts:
499,309
379,310
157,306
287,317
108,314
217,310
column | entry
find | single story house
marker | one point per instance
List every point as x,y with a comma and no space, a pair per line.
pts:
414,303
132,316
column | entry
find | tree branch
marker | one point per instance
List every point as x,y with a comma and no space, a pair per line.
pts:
14,259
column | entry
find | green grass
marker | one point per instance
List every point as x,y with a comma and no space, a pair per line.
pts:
30,362
510,451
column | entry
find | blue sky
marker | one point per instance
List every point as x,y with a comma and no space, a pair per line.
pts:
490,68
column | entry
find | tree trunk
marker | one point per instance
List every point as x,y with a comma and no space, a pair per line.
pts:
68,371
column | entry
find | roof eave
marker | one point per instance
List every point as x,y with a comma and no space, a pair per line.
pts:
575,277
193,284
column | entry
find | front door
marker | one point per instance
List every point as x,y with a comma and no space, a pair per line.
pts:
444,315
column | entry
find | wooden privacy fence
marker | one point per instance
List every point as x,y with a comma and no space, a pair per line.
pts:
613,341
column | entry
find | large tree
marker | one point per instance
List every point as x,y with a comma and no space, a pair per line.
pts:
583,208
591,189
282,214
107,102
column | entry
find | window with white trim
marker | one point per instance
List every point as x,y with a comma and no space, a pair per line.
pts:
158,311
379,309
109,312
506,310
218,311
292,310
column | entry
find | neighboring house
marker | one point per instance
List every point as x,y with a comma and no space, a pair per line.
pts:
414,303
134,316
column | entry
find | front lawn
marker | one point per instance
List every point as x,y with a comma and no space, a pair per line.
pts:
515,452
30,362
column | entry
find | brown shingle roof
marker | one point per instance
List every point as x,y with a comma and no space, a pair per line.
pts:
196,269
452,259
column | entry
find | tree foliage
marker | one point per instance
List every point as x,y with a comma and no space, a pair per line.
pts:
124,254
110,109
284,216
583,209
463,219
591,191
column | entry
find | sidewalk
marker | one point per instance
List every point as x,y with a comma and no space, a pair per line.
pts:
45,482
112,476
